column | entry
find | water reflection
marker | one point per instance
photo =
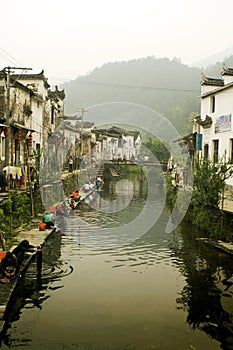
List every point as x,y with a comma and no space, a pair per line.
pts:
124,221
136,295
207,296
36,286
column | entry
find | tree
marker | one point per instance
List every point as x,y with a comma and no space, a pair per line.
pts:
209,185
158,149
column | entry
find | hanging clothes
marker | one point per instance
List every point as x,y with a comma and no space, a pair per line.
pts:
19,174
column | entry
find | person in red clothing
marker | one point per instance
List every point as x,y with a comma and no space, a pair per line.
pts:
76,195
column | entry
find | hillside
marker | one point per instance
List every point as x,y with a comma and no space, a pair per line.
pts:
167,86
212,59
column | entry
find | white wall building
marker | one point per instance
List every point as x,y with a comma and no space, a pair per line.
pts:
116,143
35,112
38,105
214,127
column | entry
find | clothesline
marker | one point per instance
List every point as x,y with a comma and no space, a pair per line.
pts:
16,172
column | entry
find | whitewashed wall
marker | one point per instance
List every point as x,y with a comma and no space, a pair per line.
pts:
223,106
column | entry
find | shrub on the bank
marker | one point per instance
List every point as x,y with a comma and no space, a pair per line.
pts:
71,184
15,212
171,195
205,207
209,186
21,209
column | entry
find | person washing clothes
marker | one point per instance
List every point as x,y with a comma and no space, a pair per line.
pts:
47,219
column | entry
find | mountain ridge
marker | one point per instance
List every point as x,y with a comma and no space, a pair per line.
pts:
165,85
213,59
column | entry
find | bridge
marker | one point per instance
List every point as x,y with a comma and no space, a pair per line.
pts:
138,163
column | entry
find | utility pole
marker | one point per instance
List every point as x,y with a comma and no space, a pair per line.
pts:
81,134
7,115
8,71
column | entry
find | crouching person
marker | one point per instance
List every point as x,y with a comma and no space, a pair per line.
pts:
22,250
8,267
47,219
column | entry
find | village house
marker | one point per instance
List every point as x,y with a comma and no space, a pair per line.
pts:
213,128
76,139
116,144
34,112
32,122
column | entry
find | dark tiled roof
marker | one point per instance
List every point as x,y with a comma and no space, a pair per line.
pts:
16,83
85,124
39,76
115,131
212,81
217,90
226,70
206,123
57,93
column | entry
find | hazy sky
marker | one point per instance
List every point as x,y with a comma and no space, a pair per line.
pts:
68,38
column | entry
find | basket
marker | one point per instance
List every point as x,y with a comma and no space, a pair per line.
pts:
42,226
2,254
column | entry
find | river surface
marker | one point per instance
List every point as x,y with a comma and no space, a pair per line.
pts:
157,291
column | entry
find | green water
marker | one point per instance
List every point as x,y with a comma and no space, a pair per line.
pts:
103,291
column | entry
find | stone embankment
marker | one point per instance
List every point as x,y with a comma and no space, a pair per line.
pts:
37,239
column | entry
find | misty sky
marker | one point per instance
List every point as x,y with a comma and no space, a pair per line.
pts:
68,38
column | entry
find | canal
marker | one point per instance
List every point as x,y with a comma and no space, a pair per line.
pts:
99,291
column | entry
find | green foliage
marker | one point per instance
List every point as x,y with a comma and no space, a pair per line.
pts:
8,206
15,212
21,209
205,207
171,195
157,148
209,185
71,184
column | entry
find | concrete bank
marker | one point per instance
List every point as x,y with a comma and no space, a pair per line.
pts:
36,238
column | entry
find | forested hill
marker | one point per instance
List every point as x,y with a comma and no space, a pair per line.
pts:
167,86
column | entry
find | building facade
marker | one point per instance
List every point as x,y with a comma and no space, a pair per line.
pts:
213,128
29,113
116,143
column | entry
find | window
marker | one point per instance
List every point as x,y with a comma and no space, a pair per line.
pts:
2,147
215,150
212,107
120,142
231,151
206,152
52,115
